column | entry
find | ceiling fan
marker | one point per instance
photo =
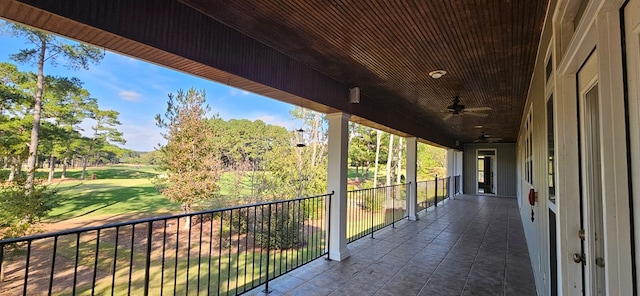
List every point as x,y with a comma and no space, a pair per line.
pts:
484,138
457,108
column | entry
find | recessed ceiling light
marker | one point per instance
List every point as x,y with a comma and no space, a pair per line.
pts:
437,73
478,126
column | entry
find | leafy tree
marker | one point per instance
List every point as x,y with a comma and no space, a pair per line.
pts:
19,210
431,161
66,105
104,132
45,47
14,122
192,164
377,160
362,147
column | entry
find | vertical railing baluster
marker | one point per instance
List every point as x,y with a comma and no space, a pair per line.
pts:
95,264
327,218
189,226
115,261
199,254
266,284
374,204
246,248
220,252
53,265
230,246
147,264
175,267
133,234
164,244
75,266
239,230
253,257
280,228
210,254
26,269
393,208
436,194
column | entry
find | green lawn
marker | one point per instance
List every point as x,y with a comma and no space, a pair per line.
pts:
109,197
125,190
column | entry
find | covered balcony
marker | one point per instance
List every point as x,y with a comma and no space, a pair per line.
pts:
535,99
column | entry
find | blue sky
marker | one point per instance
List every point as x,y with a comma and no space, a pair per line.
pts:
138,90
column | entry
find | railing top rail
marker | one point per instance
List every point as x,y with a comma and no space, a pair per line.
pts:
153,219
380,187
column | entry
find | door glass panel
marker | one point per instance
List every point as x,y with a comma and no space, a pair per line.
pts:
593,188
550,151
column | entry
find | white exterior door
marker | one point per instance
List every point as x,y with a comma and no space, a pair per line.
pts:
632,43
593,258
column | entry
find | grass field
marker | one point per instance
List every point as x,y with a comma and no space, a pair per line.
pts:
117,190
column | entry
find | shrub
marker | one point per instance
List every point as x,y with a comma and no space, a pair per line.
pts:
284,230
373,202
19,210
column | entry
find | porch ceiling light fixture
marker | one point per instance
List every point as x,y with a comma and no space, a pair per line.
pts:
437,74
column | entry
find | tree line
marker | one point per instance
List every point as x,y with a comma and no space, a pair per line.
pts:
40,115
266,162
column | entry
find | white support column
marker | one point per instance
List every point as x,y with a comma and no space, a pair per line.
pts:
458,167
337,182
451,170
412,178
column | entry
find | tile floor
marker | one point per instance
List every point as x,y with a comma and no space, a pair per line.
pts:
471,245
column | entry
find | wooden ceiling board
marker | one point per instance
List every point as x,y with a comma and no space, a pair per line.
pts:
385,47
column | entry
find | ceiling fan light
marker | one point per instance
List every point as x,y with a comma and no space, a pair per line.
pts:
437,74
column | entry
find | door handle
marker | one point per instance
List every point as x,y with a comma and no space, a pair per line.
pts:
579,258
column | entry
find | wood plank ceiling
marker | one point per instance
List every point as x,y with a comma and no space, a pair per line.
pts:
388,47
385,47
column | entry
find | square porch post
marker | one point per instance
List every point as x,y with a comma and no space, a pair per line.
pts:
412,168
337,170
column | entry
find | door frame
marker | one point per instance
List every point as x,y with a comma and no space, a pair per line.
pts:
591,212
600,27
494,169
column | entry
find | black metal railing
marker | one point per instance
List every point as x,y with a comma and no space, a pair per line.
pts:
456,184
224,251
430,192
372,209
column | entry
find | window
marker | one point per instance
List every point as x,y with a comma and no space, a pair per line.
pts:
528,148
551,151
549,69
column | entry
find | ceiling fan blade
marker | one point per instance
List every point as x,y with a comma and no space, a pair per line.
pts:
448,117
477,114
477,109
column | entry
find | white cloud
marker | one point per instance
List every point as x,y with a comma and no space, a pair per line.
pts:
130,95
238,92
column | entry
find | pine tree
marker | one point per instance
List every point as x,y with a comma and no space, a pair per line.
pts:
190,159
